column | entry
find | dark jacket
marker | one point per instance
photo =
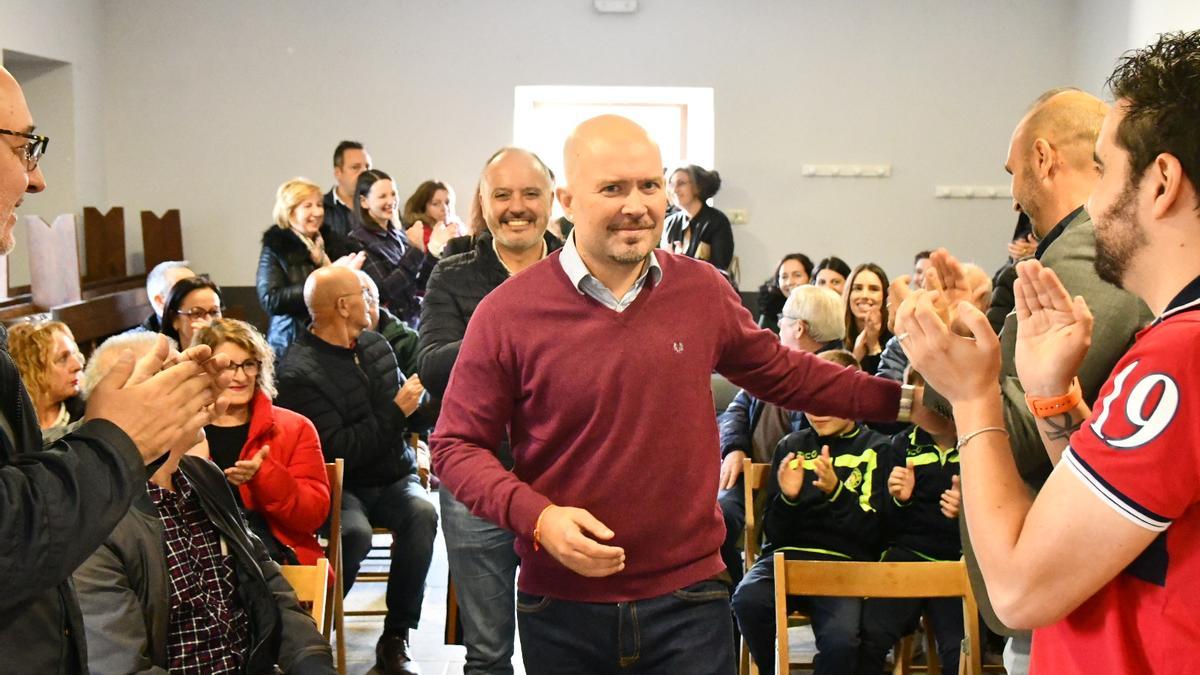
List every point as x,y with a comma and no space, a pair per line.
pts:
456,287
770,304
338,219
738,422
404,340
283,266
711,227
124,590
843,524
399,269
59,504
919,524
348,394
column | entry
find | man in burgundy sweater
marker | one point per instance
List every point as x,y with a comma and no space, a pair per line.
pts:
603,387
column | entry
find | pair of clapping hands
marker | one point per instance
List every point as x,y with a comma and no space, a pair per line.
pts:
164,399
949,341
903,480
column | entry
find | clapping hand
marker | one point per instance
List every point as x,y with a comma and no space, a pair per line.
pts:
244,470
826,480
951,501
901,482
1053,331
960,368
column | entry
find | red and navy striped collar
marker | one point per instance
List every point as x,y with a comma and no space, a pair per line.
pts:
1186,300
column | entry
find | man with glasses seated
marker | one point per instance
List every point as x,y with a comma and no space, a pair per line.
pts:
60,504
344,378
811,321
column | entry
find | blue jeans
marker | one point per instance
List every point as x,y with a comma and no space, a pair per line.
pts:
404,508
886,620
686,631
483,566
834,621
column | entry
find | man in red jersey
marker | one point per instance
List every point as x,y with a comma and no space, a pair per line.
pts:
1104,562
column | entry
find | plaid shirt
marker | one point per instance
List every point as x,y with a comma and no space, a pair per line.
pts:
209,631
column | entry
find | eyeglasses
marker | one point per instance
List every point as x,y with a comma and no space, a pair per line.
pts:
783,316
249,367
201,313
31,151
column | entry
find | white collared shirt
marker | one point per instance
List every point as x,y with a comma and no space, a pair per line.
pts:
584,282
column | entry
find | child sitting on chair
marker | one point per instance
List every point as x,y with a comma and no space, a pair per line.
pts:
920,523
824,499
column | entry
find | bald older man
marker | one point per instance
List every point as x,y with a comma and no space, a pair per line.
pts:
344,378
602,386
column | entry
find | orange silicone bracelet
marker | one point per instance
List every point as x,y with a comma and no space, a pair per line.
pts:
1049,406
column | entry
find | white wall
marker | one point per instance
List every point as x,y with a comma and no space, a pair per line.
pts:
66,31
213,105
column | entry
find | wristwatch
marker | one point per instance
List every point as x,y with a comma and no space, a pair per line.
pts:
906,403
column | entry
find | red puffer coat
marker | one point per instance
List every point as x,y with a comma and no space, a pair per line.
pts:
290,489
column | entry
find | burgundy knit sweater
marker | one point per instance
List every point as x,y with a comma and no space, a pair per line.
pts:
613,413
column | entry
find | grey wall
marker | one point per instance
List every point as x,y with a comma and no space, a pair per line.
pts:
209,106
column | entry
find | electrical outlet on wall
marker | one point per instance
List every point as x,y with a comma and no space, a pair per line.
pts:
738,216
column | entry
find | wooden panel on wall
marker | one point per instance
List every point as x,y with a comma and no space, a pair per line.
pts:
104,243
162,239
53,261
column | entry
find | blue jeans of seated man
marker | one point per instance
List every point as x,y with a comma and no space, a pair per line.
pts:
685,631
886,620
483,566
834,620
404,508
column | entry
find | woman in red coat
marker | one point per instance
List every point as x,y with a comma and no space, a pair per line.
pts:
272,456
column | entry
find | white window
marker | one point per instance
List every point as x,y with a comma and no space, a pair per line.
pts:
679,119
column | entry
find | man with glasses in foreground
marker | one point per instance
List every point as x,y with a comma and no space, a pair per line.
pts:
60,503
344,378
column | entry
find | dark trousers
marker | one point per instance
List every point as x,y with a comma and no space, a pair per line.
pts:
406,510
886,620
835,621
686,631
733,510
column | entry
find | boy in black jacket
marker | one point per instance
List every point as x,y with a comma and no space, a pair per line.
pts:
920,522
823,504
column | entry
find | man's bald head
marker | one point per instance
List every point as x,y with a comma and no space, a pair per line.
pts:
1070,120
326,285
615,194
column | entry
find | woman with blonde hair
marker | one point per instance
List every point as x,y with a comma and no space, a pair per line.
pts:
292,248
51,366
271,456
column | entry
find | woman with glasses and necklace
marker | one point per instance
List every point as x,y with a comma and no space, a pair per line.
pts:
193,303
271,456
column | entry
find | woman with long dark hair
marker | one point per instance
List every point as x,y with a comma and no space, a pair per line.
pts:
866,314
795,269
194,302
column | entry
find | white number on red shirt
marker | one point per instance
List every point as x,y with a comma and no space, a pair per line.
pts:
1146,426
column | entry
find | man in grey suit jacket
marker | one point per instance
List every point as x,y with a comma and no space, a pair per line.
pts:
1053,172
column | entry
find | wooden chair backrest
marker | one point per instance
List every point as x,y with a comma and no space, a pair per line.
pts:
335,472
311,583
754,477
878,580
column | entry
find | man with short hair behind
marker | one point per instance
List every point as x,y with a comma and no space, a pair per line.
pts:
1103,563
1051,159
344,378
60,503
597,363
181,585
350,158
516,192
158,285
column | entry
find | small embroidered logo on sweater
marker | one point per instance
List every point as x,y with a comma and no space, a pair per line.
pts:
678,347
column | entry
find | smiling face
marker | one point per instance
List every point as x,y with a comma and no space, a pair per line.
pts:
616,195
438,207
308,215
515,195
244,384
791,275
866,294
381,201
829,426
198,309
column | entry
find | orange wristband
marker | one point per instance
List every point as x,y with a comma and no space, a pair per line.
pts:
1049,406
537,530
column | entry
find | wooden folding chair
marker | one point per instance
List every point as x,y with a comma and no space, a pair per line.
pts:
311,584
877,580
335,472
